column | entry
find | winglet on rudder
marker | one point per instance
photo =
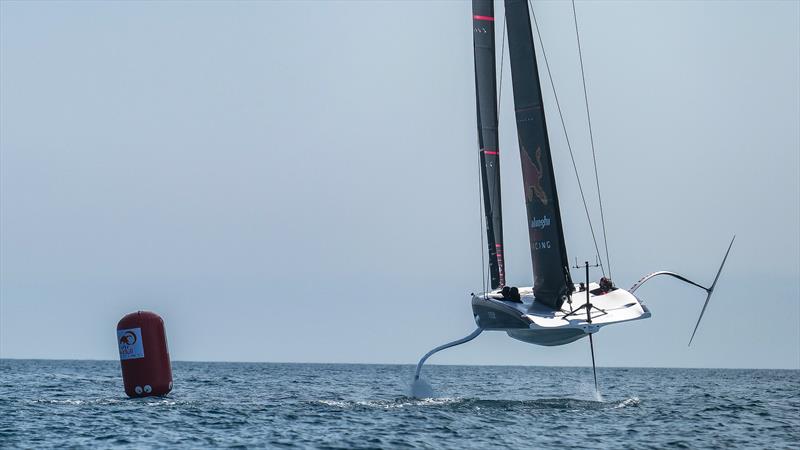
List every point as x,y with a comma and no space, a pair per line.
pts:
711,290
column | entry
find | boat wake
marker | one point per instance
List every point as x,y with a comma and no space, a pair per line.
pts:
400,402
571,404
633,401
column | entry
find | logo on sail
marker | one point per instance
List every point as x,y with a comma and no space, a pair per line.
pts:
540,223
532,176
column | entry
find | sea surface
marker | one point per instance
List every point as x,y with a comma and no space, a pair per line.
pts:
82,404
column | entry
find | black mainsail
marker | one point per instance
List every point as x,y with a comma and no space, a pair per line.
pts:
486,98
552,282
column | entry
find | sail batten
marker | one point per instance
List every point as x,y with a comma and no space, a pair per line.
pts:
486,102
552,281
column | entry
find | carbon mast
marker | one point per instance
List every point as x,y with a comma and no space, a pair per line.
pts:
486,104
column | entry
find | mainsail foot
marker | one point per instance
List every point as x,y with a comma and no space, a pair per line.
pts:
709,290
442,347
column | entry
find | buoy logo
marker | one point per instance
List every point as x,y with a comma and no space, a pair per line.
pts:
130,343
129,338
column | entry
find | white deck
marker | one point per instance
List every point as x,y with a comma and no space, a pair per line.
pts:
549,327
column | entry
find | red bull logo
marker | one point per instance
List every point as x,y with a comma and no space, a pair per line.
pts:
532,176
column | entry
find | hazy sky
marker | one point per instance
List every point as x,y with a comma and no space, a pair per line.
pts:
297,181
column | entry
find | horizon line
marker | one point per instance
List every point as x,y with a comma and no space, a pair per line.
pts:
413,364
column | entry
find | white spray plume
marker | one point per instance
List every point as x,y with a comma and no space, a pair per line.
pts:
421,389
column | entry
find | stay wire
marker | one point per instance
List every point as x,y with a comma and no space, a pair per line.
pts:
591,139
480,212
502,58
486,276
566,137
496,180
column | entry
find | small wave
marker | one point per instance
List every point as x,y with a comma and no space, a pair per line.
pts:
162,402
84,378
633,401
543,403
76,402
68,401
147,401
336,403
400,402
410,401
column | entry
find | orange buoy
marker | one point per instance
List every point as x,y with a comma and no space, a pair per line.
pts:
143,354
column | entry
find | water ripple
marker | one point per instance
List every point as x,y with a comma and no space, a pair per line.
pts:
81,404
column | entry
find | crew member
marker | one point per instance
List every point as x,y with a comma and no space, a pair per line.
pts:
606,284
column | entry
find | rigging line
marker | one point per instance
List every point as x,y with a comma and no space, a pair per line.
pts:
480,212
502,58
496,180
591,138
566,137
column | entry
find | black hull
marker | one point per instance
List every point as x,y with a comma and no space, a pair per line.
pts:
497,315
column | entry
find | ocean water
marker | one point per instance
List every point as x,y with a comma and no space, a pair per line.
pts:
81,404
